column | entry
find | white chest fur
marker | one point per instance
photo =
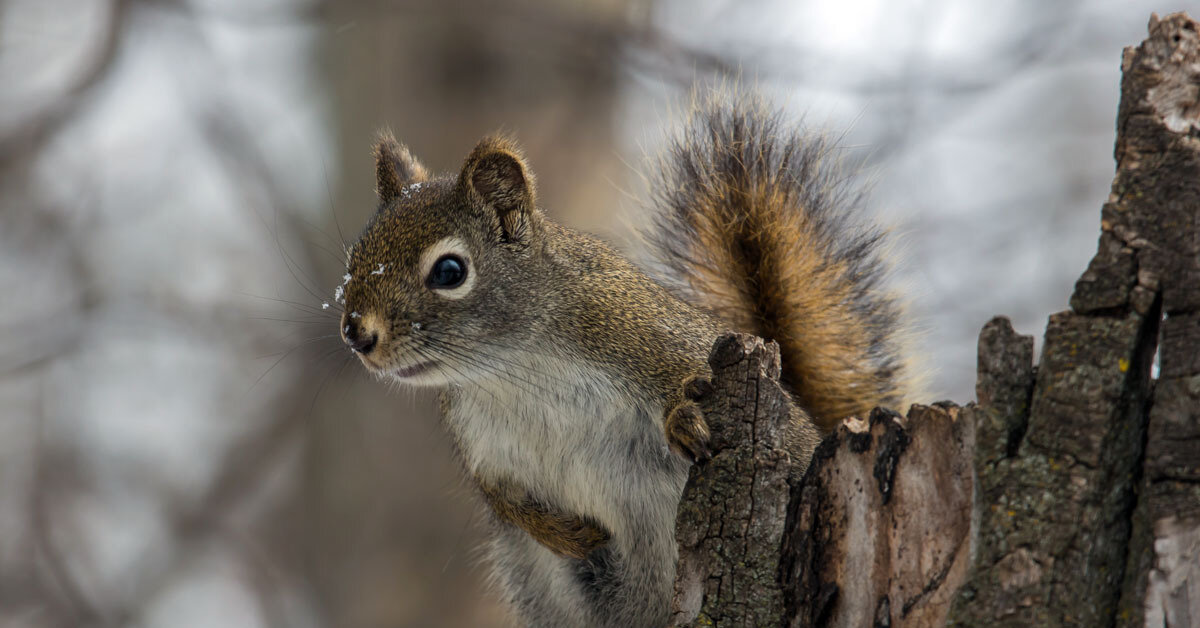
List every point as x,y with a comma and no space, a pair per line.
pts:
573,438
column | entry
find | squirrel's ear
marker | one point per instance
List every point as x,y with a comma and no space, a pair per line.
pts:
496,177
395,167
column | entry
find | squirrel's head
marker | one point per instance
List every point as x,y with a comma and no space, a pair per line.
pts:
440,275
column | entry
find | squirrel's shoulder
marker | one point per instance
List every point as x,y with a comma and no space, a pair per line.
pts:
620,317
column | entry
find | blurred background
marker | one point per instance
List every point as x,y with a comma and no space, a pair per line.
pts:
183,440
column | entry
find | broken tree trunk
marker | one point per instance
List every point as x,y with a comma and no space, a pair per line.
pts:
1068,494
732,516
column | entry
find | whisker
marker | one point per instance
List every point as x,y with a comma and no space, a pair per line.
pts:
547,374
490,342
299,334
285,355
328,378
450,364
494,342
289,263
333,211
298,345
469,354
321,246
304,307
541,373
530,386
471,350
462,534
326,321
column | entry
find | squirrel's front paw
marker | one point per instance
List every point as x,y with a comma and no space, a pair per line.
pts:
685,427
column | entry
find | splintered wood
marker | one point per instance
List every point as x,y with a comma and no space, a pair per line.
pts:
1068,494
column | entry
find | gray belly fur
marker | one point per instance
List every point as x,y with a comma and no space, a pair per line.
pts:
589,449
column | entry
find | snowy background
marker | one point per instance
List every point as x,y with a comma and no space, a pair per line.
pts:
183,441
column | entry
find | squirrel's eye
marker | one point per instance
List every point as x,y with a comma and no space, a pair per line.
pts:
448,272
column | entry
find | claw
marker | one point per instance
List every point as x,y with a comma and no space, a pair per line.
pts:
687,432
697,388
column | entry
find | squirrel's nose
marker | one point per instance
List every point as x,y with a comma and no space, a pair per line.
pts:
357,339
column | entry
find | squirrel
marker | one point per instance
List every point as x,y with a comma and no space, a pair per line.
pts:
568,375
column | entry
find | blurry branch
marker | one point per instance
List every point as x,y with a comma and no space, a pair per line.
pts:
67,597
584,38
932,77
194,524
32,133
588,39
49,479
648,49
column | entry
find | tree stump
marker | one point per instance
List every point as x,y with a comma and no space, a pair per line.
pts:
879,530
733,512
1068,494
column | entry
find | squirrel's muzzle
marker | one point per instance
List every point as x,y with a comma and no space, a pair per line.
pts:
358,338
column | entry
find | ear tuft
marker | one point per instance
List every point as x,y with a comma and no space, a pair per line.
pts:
395,167
496,176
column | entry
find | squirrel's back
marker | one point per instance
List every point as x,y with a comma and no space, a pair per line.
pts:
756,223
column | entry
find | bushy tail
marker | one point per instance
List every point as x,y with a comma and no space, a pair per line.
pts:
757,224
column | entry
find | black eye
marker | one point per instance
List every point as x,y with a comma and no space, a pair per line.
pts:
448,272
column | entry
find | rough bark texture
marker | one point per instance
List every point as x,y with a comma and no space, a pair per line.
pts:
1089,519
1155,210
733,512
1067,495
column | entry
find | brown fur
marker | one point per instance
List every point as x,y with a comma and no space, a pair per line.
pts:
564,533
758,226
565,369
686,430
495,174
395,167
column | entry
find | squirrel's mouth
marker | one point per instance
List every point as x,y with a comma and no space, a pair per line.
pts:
404,372
399,372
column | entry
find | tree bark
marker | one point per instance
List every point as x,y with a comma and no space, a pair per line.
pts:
1068,494
733,512
880,526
